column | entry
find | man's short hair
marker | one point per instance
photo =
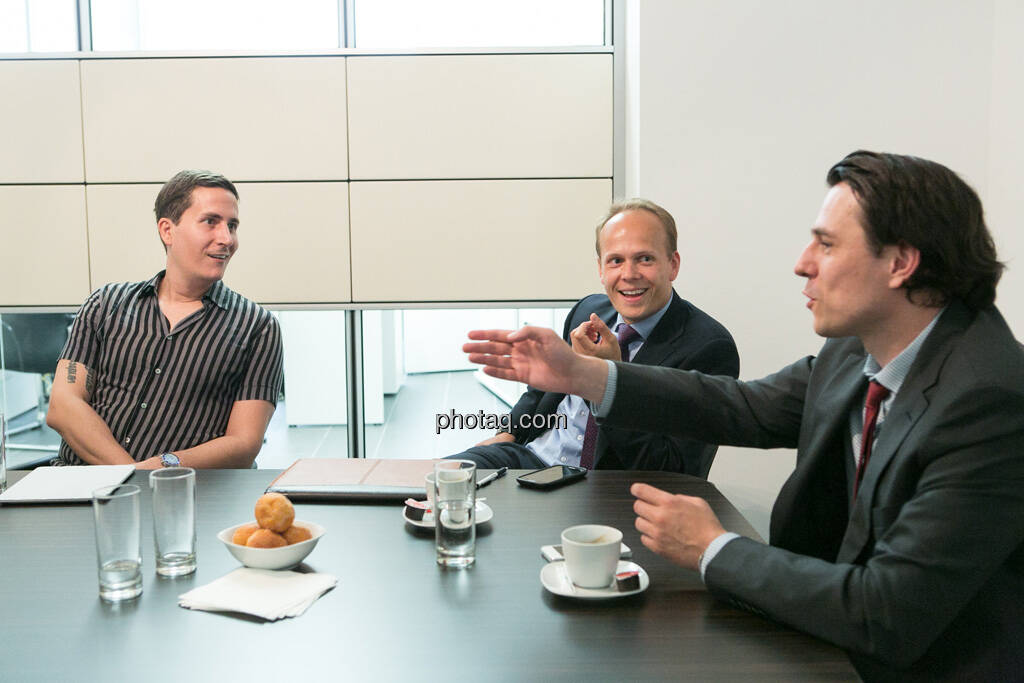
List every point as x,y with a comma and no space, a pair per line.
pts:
914,201
637,204
176,195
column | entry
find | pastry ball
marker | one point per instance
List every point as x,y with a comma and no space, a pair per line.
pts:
297,534
243,533
265,538
274,512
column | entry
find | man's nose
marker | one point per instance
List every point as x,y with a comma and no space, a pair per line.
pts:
224,234
805,263
630,271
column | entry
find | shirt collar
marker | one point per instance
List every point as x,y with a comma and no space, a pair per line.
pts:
218,293
895,371
646,326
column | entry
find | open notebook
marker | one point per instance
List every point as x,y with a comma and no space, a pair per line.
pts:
353,478
64,484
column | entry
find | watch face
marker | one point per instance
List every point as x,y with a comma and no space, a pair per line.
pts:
170,460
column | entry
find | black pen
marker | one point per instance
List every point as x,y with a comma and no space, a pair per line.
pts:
491,477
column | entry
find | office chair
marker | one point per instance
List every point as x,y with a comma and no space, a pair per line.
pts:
32,342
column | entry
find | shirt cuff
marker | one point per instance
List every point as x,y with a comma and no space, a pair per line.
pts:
712,550
609,392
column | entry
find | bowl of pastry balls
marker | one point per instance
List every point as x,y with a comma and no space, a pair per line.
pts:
276,540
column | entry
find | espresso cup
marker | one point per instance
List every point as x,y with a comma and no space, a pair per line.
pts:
429,481
591,554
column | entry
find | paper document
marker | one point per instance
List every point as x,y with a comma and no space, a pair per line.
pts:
64,484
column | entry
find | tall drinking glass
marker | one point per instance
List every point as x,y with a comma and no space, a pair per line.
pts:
455,513
3,453
174,520
118,541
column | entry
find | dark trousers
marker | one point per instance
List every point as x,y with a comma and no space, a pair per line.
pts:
509,454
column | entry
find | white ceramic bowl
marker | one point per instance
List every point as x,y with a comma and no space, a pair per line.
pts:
284,557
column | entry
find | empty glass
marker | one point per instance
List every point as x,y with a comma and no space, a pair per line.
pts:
3,453
174,520
118,541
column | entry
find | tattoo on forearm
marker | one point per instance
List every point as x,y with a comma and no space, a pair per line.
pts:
90,383
72,369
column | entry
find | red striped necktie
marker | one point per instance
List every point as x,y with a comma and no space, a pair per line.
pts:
876,394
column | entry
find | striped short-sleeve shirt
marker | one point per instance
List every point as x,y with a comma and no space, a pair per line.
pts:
162,390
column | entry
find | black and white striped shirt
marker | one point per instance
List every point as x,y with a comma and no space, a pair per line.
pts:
159,390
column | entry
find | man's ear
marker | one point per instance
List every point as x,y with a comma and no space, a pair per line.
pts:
675,261
163,228
904,260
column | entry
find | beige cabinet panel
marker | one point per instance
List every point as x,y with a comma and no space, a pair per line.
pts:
293,243
480,116
248,118
483,240
293,240
41,120
123,242
45,258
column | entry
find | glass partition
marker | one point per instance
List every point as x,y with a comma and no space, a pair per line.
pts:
478,23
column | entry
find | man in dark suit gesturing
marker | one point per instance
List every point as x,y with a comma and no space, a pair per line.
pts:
641,320
900,534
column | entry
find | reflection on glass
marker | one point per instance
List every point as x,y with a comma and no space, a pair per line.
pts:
214,24
478,23
38,26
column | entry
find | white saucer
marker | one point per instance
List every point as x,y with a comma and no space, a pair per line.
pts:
555,579
484,513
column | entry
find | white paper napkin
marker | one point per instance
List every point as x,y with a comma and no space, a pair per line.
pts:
263,593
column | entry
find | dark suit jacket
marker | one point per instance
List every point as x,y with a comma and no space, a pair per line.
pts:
923,578
685,338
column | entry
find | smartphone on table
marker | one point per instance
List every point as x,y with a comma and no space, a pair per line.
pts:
551,477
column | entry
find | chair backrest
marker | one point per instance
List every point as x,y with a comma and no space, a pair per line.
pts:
33,341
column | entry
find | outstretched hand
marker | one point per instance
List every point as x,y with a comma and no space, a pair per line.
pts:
677,527
540,358
593,338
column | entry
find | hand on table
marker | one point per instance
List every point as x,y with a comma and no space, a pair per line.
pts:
677,527
153,463
593,338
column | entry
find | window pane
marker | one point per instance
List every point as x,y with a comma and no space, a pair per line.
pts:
311,421
30,344
415,374
214,24
38,26
478,23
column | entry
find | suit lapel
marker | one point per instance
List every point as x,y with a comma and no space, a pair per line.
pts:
661,341
907,408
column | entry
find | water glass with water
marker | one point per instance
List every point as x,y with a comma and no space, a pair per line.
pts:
455,513
174,520
118,541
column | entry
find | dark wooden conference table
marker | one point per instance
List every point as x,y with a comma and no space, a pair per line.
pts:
394,615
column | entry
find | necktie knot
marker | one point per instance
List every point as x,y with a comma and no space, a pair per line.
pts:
626,335
876,394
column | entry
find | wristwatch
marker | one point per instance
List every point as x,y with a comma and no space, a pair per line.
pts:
169,460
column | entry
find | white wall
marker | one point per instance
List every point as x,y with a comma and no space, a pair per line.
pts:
736,110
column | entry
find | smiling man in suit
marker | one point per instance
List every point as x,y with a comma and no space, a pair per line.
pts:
639,319
900,533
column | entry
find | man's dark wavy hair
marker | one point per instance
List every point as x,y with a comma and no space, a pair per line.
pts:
914,201
176,195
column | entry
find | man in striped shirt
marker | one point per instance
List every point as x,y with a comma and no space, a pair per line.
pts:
178,369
